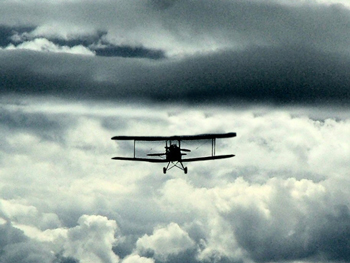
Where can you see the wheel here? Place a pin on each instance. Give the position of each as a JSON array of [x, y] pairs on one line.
[[164, 170], [185, 170]]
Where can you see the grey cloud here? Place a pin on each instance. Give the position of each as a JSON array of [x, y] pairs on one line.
[[289, 75], [48, 127], [162, 4], [62, 259], [35, 122], [173, 26], [11, 235], [16, 247], [331, 236], [127, 51], [20, 37], [292, 230], [243, 52], [7, 33]]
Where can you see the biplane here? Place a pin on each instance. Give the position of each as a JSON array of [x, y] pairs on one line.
[[173, 154]]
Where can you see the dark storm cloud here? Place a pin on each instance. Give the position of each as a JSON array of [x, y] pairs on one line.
[[126, 51], [231, 51], [291, 74], [8, 32]]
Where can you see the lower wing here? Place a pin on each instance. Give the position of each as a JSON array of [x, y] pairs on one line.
[[207, 158], [166, 161], [141, 159]]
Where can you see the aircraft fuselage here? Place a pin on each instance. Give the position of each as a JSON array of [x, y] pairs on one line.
[[173, 153]]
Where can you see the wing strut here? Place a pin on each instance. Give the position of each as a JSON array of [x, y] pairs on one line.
[[213, 144]]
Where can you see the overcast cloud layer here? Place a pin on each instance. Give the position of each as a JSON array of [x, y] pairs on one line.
[[74, 73], [165, 50]]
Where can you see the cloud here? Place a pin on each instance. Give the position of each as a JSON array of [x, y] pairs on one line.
[[16, 247], [260, 75], [46, 39], [268, 231], [165, 241], [41, 44], [137, 259], [28, 215], [92, 240], [275, 72], [245, 52], [68, 199], [179, 27]]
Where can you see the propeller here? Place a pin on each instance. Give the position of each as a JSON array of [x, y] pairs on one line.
[[185, 150]]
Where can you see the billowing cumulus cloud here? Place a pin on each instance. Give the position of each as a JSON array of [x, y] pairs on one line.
[[92, 240], [166, 241], [283, 197]]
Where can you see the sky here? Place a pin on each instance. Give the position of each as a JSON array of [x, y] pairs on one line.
[[74, 73]]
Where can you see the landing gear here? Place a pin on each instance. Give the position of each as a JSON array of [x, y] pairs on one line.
[[175, 164]]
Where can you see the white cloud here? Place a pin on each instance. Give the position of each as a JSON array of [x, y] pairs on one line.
[[42, 44], [60, 31], [165, 241], [92, 240], [283, 182], [137, 259], [13, 210]]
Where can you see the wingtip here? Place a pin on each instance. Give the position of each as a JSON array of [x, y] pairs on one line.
[[233, 134]]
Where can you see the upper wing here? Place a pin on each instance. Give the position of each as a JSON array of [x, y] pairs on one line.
[[141, 138], [204, 136], [176, 137], [141, 159], [207, 158]]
